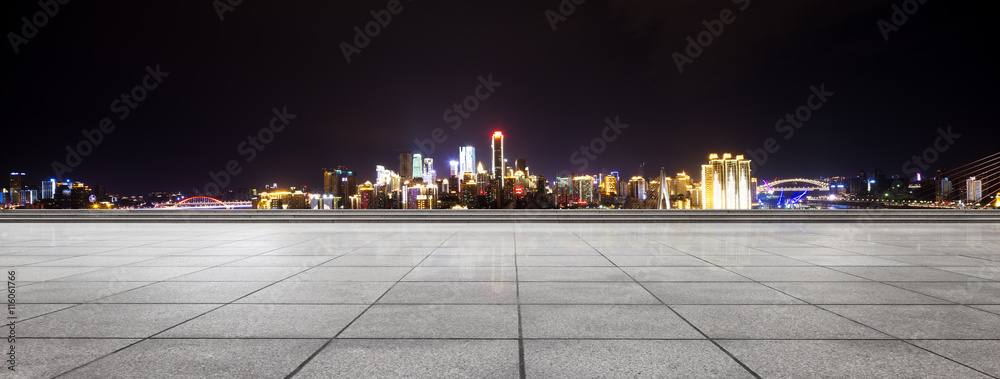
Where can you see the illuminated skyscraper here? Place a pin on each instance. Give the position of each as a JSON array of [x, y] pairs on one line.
[[483, 183], [563, 192], [339, 183], [610, 185], [726, 183], [973, 189], [682, 183], [430, 175], [49, 189], [499, 165], [637, 188], [366, 194], [942, 190], [381, 175], [466, 159], [406, 166], [421, 196], [583, 189], [470, 194], [418, 166], [453, 168], [16, 187], [521, 165]]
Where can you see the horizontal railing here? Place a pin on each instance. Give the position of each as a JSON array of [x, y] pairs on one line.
[[512, 215]]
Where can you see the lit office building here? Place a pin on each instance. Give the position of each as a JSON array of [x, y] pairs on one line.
[[583, 189], [483, 181], [16, 188], [610, 185], [366, 196], [682, 184], [421, 197], [563, 190], [418, 166], [942, 190], [499, 164], [429, 173], [696, 197], [637, 188], [453, 168], [520, 165], [973, 189], [383, 177], [282, 200], [466, 159], [726, 183], [522, 180], [406, 166], [339, 183], [470, 194], [49, 189]]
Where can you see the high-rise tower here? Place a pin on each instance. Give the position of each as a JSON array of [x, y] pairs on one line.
[[499, 166], [430, 175], [406, 166], [418, 166], [16, 188], [466, 159], [726, 183]]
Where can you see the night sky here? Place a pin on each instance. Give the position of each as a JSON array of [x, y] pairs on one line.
[[607, 59]]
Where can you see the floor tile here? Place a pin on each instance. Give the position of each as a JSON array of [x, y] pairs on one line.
[[718, 293], [268, 321], [773, 322], [349, 358], [451, 293], [584, 293], [203, 358], [435, 321], [630, 358], [847, 359], [924, 321], [604, 321]]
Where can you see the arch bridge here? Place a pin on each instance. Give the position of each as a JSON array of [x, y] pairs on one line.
[[205, 202], [799, 184]]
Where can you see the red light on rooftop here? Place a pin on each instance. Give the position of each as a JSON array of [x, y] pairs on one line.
[[497, 134]]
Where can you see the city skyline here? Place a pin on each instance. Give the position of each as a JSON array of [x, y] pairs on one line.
[[726, 183], [415, 159]]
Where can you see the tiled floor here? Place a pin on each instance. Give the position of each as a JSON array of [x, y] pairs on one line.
[[504, 300]]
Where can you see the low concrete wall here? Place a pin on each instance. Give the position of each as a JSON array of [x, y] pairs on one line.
[[504, 216]]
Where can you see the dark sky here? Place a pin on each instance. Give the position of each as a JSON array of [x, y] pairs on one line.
[[607, 59]]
